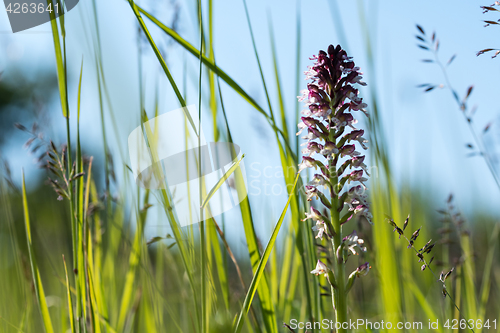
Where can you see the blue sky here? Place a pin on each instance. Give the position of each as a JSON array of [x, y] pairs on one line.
[[426, 132]]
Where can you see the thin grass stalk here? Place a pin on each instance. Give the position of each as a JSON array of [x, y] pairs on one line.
[[203, 248], [468, 120], [211, 75], [297, 72]]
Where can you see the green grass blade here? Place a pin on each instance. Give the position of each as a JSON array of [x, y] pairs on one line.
[[211, 76], [262, 264], [486, 283], [91, 287], [424, 303], [219, 262], [80, 90], [37, 281], [221, 181], [137, 13], [204, 242], [61, 73], [278, 84], [389, 286], [165, 198], [469, 276], [248, 226], [207, 62], [70, 302], [298, 72], [129, 290]]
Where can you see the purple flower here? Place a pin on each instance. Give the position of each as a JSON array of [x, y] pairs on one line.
[[311, 192], [357, 162], [344, 119], [329, 149], [312, 148], [307, 162], [354, 244], [331, 99], [310, 122], [356, 175], [320, 227], [321, 268], [348, 150], [318, 180], [363, 269], [315, 215]]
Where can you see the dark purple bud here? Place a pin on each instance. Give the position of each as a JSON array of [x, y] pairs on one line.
[[356, 175], [344, 117], [354, 135], [357, 161], [363, 269], [347, 150], [309, 122]]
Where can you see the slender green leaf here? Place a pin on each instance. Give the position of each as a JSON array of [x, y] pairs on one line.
[[70, 302], [61, 73], [221, 181], [37, 281], [262, 264]]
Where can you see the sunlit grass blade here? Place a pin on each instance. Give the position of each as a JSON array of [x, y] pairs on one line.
[[259, 272], [37, 281], [248, 225], [93, 304], [210, 64], [128, 290], [206, 61], [288, 164], [18, 329], [221, 181], [219, 262], [278, 84], [163, 64], [486, 283], [165, 198], [297, 72], [390, 291], [61, 73], [211, 76], [420, 297], [469, 276], [70, 302]]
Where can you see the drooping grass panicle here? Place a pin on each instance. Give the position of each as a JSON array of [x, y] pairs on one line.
[[423, 255], [431, 44], [494, 8]]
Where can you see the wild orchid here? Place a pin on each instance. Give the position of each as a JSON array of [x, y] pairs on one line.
[[329, 123]]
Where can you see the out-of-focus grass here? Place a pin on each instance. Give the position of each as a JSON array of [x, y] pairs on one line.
[[117, 282]]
